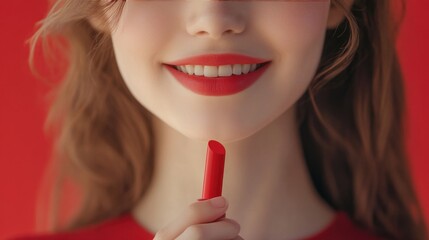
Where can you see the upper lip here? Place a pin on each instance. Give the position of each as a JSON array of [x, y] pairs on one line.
[[218, 60]]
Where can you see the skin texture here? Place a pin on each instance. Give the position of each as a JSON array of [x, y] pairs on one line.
[[266, 184]]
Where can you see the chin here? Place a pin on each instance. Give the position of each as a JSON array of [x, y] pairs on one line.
[[226, 135]]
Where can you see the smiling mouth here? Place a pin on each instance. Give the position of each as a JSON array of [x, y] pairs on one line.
[[211, 84], [219, 71]]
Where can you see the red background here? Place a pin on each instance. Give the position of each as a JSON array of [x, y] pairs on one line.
[[24, 149]]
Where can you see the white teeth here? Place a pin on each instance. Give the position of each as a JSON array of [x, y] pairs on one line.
[[218, 71], [189, 69], [245, 68], [183, 69], [199, 70], [236, 69], [225, 71], [210, 71]]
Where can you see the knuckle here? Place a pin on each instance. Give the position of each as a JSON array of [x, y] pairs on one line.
[[194, 211], [193, 206], [160, 235], [234, 225], [195, 232], [236, 228]]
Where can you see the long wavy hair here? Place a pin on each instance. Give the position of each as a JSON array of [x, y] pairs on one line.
[[351, 122]]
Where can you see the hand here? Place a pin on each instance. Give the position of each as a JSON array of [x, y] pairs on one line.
[[201, 220]]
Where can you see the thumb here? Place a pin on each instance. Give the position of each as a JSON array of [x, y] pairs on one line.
[[196, 213]]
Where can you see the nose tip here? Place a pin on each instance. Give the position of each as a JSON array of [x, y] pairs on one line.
[[214, 34], [215, 20]]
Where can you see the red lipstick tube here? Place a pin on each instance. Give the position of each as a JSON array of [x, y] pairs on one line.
[[213, 177]]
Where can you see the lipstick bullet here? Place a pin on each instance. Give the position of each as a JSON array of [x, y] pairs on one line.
[[213, 177]]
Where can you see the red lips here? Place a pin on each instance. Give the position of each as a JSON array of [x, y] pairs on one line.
[[217, 86], [218, 59]]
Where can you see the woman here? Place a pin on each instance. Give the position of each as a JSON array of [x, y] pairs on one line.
[[306, 96]]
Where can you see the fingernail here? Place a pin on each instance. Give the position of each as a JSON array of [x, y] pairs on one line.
[[218, 202]]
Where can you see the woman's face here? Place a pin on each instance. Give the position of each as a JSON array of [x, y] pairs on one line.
[[288, 34]]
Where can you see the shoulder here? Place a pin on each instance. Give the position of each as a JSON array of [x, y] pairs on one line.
[[122, 227], [342, 227]]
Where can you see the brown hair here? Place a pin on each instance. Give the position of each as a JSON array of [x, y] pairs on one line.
[[351, 122]]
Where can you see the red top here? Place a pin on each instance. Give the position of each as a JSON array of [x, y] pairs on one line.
[[125, 227]]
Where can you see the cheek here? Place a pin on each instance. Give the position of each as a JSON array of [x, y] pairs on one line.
[[295, 25], [142, 32], [296, 30], [144, 27], [296, 33]]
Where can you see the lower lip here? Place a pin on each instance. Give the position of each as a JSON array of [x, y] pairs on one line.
[[217, 86]]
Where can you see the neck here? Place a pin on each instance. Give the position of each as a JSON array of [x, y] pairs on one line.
[[266, 182]]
